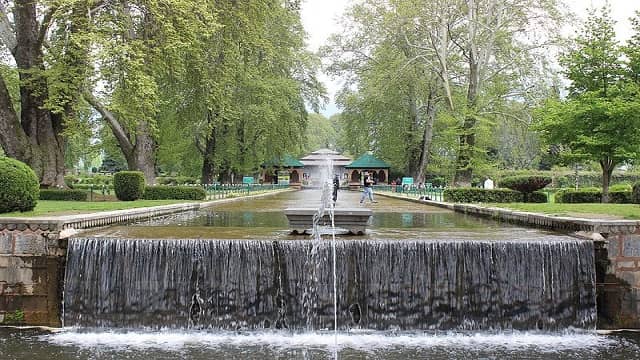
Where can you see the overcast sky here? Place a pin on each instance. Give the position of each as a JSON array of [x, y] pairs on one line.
[[319, 18]]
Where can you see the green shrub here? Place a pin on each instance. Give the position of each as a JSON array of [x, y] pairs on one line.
[[537, 197], [176, 180], [635, 196], [128, 185], [592, 196], [525, 183], [474, 195], [620, 187], [19, 186], [69, 180], [63, 195], [570, 196], [163, 192], [620, 197]]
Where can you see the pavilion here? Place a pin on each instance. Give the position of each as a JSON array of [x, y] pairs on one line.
[[316, 162], [378, 169]]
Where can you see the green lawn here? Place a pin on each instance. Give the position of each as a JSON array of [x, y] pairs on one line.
[[604, 211], [50, 207]]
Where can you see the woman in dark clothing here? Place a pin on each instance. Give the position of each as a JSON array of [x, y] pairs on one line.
[[336, 186]]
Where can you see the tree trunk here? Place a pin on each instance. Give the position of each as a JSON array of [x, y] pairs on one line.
[[141, 153], [607, 166], [36, 138], [467, 138], [208, 163], [144, 153], [427, 136], [413, 150], [464, 170]]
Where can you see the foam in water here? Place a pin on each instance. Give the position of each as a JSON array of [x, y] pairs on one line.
[[514, 341]]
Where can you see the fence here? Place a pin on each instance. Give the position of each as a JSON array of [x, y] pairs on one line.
[[429, 192], [223, 191]]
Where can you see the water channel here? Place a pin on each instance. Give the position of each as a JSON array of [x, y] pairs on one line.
[[422, 283]]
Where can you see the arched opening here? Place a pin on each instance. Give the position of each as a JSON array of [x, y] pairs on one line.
[[382, 177], [294, 177], [355, 176]]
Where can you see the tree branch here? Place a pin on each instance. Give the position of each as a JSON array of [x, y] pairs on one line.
[[7, 32], [44, 26], [118, 131], [13, 139]]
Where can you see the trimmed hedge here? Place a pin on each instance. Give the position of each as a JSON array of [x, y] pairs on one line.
[[128, 185], [525, 183], [592, 196], [19, 186], [537, 197], [635, 195], [63, 195], [163, 192], [176, 180], [473, 195]]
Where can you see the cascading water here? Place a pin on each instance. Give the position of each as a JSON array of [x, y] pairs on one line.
[[327, 203], [381, 284]]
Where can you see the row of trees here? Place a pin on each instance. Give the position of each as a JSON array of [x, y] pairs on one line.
[[170, 79], [468, 85]]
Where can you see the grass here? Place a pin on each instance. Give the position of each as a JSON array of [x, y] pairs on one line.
[[604, 211], [50, 207]]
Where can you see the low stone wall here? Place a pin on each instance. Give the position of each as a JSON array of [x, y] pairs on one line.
[[32, 261], [617, 253]]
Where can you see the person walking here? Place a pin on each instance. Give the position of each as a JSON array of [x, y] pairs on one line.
[[367, 190], [336, 186]]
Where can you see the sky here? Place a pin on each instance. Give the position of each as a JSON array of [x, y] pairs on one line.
[[320, 21]]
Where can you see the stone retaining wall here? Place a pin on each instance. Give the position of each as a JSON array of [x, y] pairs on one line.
[[31, 271]]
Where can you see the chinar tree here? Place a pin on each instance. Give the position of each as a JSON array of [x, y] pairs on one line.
[[441, 72], [244, 96], [139, 48], [600, 117], [45, 43], [390, 100], [65, 54]]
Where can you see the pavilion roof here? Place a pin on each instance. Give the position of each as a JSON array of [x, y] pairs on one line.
[[368, 161]]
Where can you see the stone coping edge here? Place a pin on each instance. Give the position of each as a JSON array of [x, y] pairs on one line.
[[86, 221], [557, 223]]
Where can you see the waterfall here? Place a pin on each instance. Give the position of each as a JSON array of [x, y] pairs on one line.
[[382, 285]]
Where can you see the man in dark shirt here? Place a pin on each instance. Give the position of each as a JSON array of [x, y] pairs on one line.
[[367, 191]]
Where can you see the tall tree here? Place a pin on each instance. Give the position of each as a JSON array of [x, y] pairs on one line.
[[248, 105], [600, 118], [463, 59], [393, 106], [47, 43], [494, 44], [141, 46]]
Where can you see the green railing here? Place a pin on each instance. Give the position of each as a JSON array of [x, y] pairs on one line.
[[223, 191], [413, 191], [214, 191]]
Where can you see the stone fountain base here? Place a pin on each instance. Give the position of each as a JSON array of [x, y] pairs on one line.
[[354, 220]]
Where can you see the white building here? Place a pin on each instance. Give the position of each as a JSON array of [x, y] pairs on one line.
[[316, 162]]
